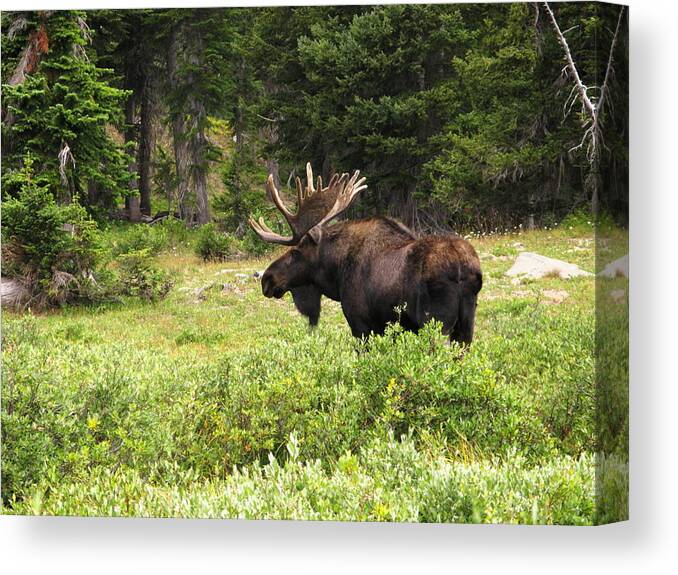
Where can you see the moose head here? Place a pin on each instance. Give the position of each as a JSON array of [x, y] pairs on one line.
[[316, 207]]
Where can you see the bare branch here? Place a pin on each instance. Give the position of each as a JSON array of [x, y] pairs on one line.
[[609, 70], [266, 119], [18, 25], [65, 156], [581, 88]]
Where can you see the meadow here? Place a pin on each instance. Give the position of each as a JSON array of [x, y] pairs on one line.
[[217, 402]]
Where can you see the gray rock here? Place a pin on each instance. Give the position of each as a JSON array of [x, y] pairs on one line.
[[617, 268], [531, 265]]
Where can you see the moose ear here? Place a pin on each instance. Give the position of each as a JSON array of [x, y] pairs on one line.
[[315, 234]]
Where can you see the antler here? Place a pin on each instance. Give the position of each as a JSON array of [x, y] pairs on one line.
[[348, 191], [315, 206]]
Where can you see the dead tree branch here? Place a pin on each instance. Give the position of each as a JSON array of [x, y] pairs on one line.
[[609, 69], [581, 88], [592, 108]]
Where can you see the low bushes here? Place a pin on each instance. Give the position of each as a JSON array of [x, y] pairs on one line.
[[139, 277], [213, 245], [386, 481], [87, 407], [167, 234], [53, 250], [57, 255]]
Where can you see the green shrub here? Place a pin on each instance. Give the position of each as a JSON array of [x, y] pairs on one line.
[[385, 481], [583, 222], [139, 277], [53, 250], [137, 237], [213, 245], [175, 231], [547, 360], [242, 408], [253, 245], [191, 335], [612, 488]]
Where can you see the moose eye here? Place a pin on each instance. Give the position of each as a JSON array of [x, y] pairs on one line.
[[296, 255]]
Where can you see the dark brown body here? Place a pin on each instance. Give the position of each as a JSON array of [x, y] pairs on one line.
[[381, 273]]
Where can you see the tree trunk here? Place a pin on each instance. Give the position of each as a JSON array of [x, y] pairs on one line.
[[132, 199], [269, 131], [179, 129], [198, 143], [188, 127], [93, 191], [146, 141]]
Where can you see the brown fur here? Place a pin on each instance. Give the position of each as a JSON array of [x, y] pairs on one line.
[[381, 273]]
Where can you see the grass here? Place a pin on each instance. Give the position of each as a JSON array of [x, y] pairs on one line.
[[221, 403]]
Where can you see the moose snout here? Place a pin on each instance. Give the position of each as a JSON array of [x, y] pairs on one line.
[[270, 287]]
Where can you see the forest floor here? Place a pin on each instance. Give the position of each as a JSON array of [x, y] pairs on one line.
[[218, 402]]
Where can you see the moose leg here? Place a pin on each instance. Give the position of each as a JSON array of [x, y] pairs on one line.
[[307, 301], [359, 328], [442, 304], [463, 329], [356, 321]]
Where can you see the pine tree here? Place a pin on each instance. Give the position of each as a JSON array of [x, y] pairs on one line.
[[196, 49], [62, 111]]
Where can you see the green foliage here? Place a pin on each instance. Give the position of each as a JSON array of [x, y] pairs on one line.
[[240, 411], [166, 235], [237, 412], [61, 114], [55, 250], [221, 403], [243, 180], [213, 245], [152, 239], [139, 277], [460, 125], [386, 481], [557, 377], [468, 127]]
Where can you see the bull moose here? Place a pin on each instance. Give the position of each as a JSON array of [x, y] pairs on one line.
[[376, 267]]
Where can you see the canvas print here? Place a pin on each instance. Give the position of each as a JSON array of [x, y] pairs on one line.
[[355, 263]]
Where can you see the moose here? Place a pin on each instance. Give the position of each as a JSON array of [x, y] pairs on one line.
[[376, 268]]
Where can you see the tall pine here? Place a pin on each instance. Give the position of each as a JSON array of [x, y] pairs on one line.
[[62, 111]]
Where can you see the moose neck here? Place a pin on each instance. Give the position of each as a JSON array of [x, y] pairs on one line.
[[333, 260]]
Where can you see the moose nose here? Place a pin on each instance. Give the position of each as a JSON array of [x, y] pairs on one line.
[[267, 284], [271, 287]]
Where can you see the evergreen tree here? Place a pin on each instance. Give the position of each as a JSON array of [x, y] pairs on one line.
[[459, 115], [196, 50], [61, 113]]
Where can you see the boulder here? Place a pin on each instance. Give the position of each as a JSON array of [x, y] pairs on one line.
[[555, 295], [618, 295], [531, 265], [617, 268]]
